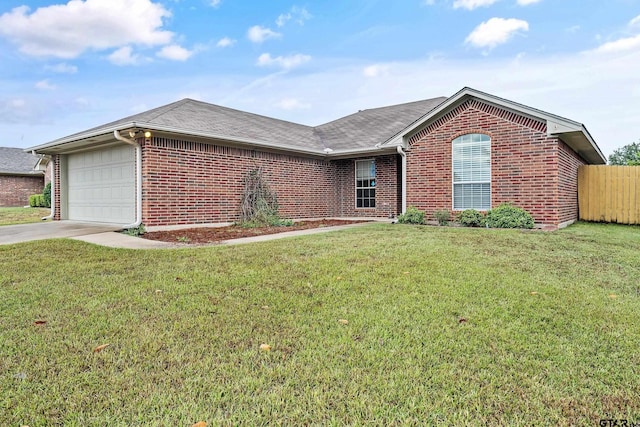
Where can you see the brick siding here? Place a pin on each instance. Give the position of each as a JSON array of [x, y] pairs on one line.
[[387, 188], [568, 162], [187, 182], [528, 168], [15, 190]]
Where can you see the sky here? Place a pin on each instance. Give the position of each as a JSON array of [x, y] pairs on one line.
[[68, 66]]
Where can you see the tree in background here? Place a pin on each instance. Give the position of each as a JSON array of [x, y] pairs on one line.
[[629, 155]]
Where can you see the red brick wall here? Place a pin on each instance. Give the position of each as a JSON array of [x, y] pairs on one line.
[[386, 188], [15, 190], [55, 194], [190, 182], [568, 162], [524, 163]]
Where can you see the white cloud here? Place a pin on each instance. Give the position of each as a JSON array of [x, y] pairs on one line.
[[573, 29], [472, 4], [62, 68], [286, 62], [124, 56], [258, 34], [215, 3], [376, 70], [45, 85], [528, 2], [635, 22], [225, 42], [175, 52], [297, 14], [292, 104], [68, 30], [495, 31], [621, 45]]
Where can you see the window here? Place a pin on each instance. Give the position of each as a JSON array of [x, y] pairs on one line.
[[471, 172], [365, 184]]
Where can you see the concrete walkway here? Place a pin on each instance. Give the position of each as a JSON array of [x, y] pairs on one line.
[[52, 230], [105, 235]]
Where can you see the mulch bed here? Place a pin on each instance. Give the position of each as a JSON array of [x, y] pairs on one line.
[[219, 234]]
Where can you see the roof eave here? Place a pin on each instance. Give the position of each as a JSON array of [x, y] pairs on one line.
[[50, 147], [360, 152], [15, 173]]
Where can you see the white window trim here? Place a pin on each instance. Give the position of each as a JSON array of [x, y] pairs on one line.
[[355, 182], [490, 182]]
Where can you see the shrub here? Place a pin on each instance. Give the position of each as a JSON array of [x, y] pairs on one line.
[[136, 232], [37, 201], [471, 218], [47, 195], [442, 216], [509, 216], [413, 215], [259, 206]]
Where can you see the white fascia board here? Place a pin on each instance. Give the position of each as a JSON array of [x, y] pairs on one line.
[[79, 137], [361, 152], [169, 129]]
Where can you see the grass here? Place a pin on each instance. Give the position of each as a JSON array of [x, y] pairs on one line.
[[12, 216], [446, 326]]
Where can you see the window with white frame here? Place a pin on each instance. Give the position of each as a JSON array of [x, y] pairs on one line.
[[365, 184], [471, 155]]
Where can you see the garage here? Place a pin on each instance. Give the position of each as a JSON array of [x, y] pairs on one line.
[[102, 185]]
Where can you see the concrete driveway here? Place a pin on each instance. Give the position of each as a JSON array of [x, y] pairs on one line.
[[51, 230]]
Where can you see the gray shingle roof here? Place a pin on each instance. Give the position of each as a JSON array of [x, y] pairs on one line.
[[363, 129], [367, 128], [195, 116], [16, 161]]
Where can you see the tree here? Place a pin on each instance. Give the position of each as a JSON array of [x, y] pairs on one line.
[[629, 155]]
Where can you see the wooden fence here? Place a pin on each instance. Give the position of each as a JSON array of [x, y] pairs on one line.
[[609, 194]]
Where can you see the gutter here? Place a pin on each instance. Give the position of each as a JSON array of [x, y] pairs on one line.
[[403, 155], [138, 221]]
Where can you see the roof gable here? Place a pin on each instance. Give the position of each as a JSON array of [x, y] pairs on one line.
[[572, 133]]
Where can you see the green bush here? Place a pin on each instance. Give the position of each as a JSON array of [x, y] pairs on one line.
[[47, 195], [509, 216], [37, 201], [136, 232], [471, 218], [442, 216], [413, 215]]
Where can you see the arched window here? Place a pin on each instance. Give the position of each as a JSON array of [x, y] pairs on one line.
[[471, 156]]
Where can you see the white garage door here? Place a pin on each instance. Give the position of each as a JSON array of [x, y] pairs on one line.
[[102, 185]]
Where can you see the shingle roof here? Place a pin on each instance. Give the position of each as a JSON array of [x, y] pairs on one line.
[[363, 129], [16, 161], [367, 128], [196, 116]]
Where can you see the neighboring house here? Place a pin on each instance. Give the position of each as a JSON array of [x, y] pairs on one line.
[[185, 162], [20, 177]]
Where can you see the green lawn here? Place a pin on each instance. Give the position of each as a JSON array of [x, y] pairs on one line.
[[446, 326], [11, 216]]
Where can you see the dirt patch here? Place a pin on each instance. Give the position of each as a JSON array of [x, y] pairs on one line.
[[203, 235]]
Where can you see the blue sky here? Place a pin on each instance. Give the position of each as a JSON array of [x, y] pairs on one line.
[[69, 66]]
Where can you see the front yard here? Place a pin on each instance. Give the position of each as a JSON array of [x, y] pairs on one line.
[[381, 324], [11, 216]]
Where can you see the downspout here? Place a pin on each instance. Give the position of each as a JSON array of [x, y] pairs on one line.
[[403, 155], [53, 190], [119, 137]]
